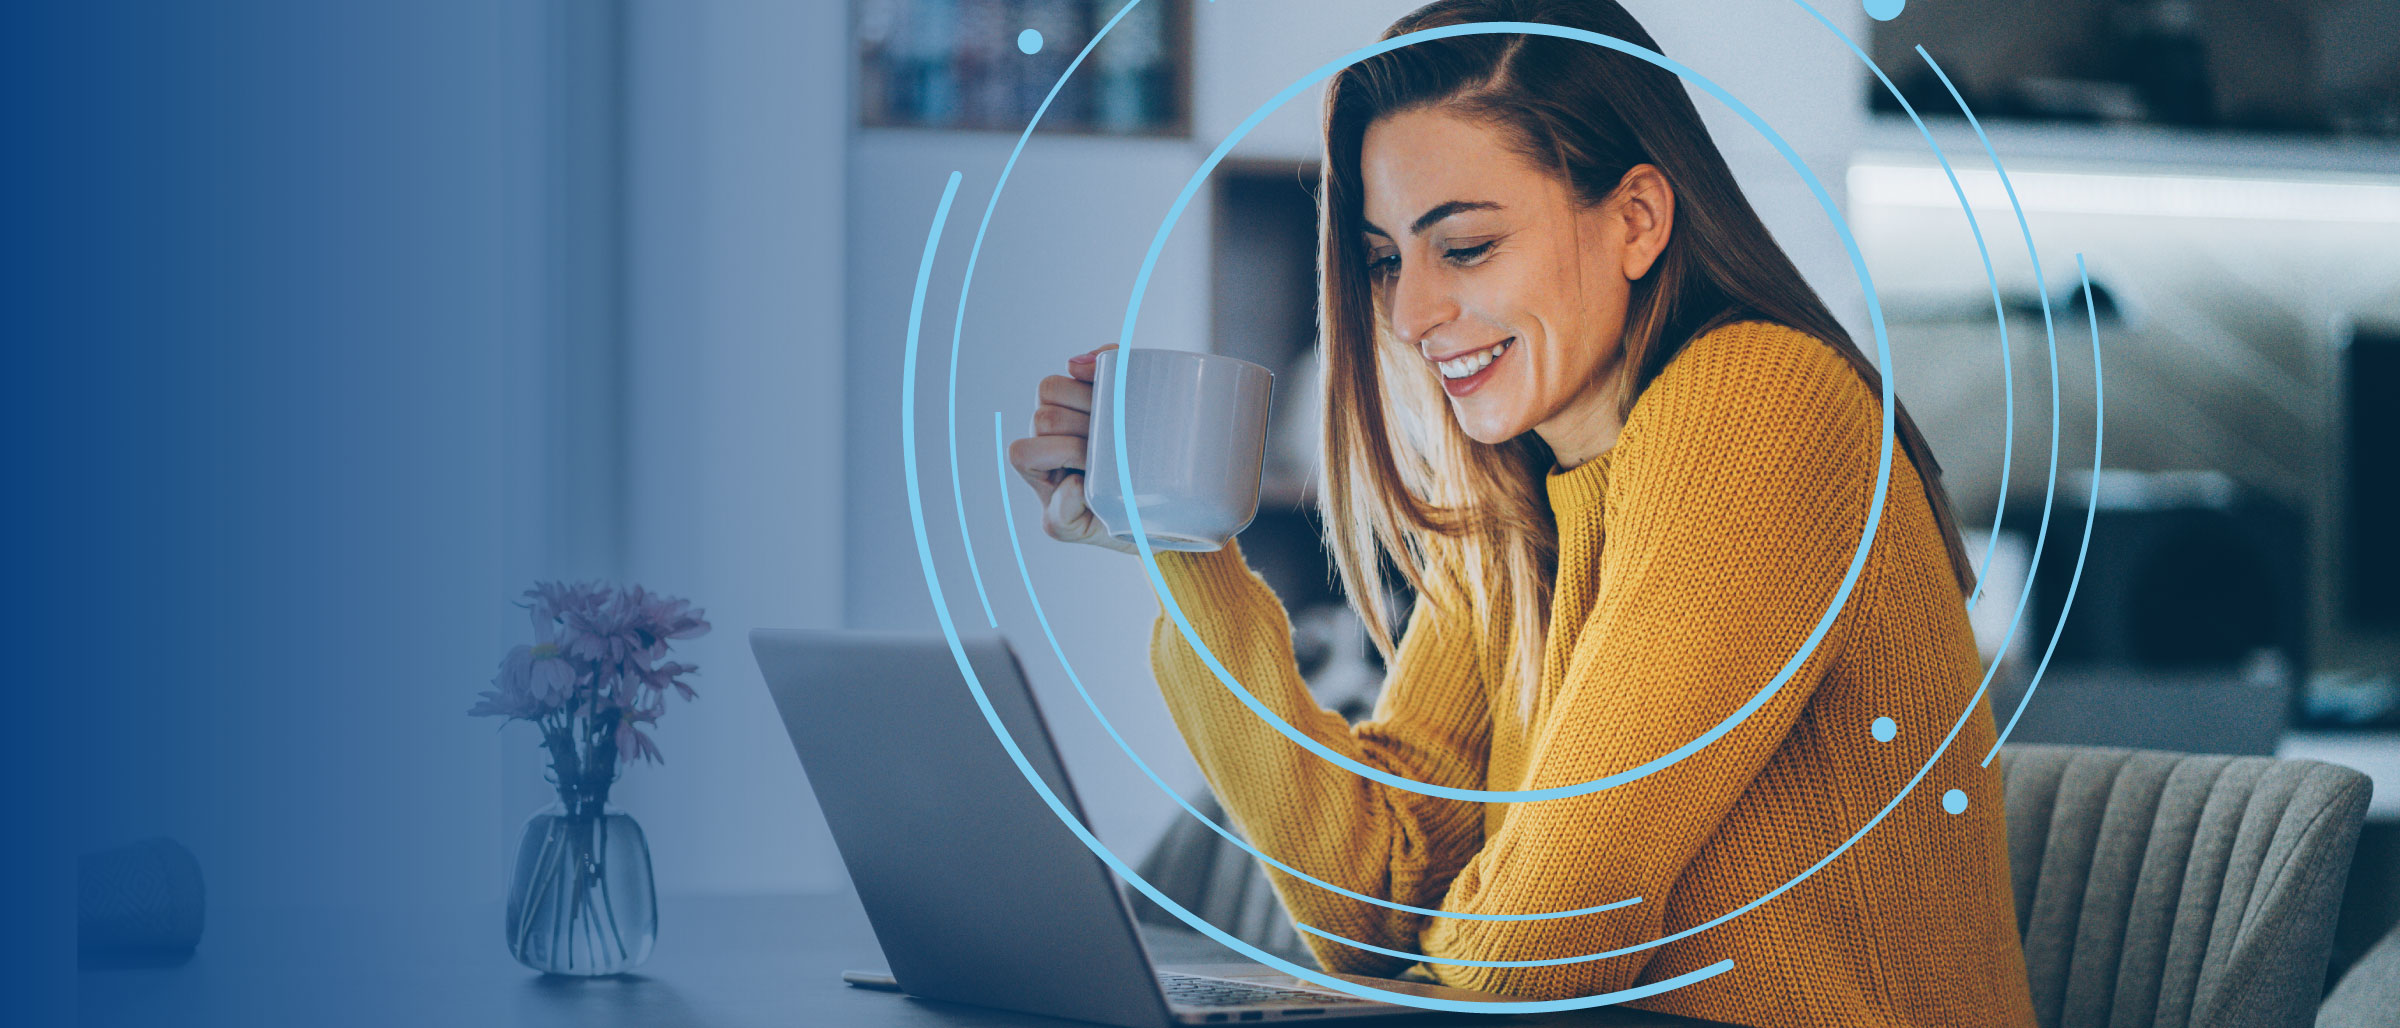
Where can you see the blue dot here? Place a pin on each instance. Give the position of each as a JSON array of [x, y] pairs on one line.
[[1884, 10], [1954, 801], [1884, 729], [1030, 40]]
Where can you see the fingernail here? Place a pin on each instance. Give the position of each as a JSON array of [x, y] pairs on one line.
[[1085, 358]]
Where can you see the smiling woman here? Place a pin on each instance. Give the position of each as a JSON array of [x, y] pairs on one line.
[[1580, 400]]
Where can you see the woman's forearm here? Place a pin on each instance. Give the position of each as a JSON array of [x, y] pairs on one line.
[[1301, 808]]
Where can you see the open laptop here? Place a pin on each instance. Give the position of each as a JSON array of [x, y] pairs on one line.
[[976, 891]]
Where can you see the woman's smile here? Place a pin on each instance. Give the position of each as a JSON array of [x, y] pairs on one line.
[[1463, 373]]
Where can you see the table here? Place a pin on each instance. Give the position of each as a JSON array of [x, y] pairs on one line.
[[730, 962]]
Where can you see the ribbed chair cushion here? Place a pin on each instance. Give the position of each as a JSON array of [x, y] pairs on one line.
[[2174, 889]]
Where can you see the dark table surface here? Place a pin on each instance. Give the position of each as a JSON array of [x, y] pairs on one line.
[[734, 962]]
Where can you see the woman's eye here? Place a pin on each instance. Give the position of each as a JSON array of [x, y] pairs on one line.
[[1465, 254], [1385, 264]]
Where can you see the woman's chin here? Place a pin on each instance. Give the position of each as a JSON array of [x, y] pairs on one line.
[[1484, 426]]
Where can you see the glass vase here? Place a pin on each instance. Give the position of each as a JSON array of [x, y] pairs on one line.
[[581, 901]]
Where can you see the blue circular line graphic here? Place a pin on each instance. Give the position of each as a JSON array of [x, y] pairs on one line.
[[1883, 470], [933, 585], [1076, 679]]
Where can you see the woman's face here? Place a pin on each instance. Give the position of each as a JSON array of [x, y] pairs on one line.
[[1512, 292]]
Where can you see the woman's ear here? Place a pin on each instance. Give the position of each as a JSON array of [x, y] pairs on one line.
[[1646, 203]]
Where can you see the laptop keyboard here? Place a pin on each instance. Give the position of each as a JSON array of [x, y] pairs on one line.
[[1192, 991]]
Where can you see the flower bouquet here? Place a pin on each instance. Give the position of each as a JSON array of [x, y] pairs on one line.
[[582, 901]]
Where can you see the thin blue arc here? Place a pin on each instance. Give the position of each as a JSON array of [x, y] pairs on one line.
[[2042, 286], [1454, 961], [983, 703], [933, 585], [2090, 507], [1042, 617], [2041, 291], [2008, 376], [1824, 623], [966, 284], [1059, 652]]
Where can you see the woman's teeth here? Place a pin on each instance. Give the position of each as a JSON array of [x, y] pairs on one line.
[[1461, 367]]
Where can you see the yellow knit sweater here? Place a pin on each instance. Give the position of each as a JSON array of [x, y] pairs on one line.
[[1730, 508]]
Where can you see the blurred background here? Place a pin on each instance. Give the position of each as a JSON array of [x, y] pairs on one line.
[[413, 304]]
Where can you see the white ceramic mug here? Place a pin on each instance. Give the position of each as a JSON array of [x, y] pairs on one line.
[[1196, 439]]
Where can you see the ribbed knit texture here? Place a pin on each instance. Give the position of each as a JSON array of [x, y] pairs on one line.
[[1695, 557]]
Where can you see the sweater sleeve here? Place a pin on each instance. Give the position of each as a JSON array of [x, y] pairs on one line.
[[1429, 725], [1735, 500]]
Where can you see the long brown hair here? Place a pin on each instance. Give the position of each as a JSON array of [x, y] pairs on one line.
[[1402, 482]]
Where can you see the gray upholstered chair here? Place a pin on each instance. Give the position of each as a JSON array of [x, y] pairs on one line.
[[2153, 888], [2175, 889]]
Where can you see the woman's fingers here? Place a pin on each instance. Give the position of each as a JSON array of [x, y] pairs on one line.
[[1036, 457], [1053, 419], [1064, 515], [1052, 459], [1085, 365], [1061, 391]]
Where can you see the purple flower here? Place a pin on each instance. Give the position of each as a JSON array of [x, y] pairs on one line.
[[632, 744], [598, 667]]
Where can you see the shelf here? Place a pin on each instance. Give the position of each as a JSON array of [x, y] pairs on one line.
[[2134, 147]]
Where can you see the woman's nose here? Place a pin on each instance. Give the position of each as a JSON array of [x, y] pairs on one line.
[[1421, 302]]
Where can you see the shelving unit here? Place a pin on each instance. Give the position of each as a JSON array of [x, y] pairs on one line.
[[965, 64]]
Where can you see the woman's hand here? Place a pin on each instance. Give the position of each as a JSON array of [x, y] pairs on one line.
[[1052, 458]]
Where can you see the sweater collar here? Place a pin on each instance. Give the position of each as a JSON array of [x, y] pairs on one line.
[[1580, 492]]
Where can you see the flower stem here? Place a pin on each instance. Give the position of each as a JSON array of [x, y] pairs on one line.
[[606, 902]]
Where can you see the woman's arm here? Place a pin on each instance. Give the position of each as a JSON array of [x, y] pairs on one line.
[[1429, 725]]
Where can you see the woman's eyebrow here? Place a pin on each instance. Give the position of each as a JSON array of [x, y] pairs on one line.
[[1439, 211]]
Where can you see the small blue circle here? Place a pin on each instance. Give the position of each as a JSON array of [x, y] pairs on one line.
[[1884, 729], [1880, 10], [1030, 40], [1954, 801]]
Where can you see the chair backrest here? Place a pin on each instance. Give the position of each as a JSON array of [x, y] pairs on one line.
[[2177, 890]]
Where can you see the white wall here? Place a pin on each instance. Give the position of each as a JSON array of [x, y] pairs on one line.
[[736, 409]]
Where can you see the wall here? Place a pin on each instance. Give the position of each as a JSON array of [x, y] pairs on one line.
[[295, 424], [736, 413]]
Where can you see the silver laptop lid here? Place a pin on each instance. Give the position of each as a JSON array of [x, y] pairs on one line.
[[976, 891]]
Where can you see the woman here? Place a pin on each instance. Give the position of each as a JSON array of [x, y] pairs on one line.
[[1624, 455]]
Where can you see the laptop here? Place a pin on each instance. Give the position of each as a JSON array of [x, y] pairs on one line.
[[976, 891]]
